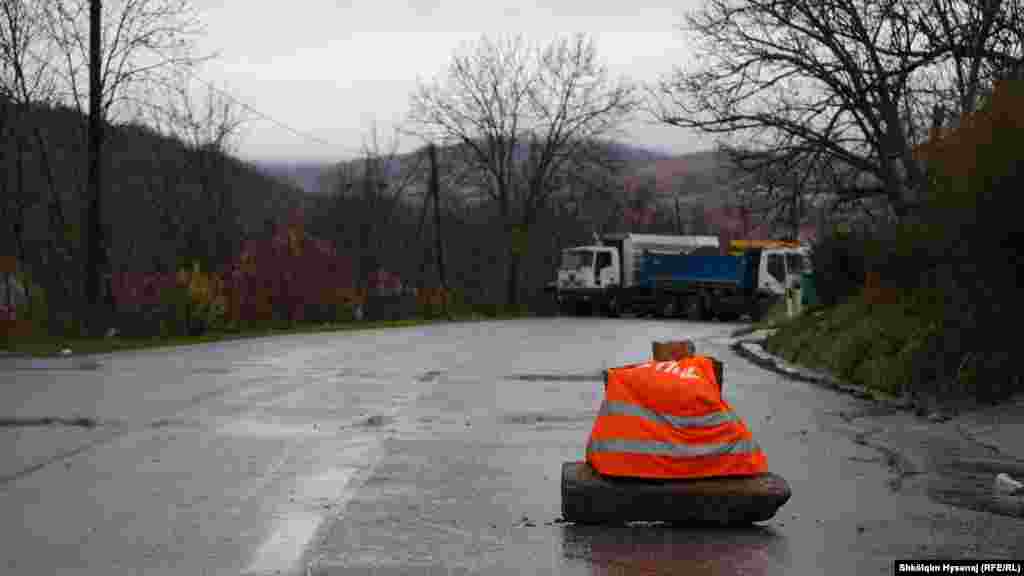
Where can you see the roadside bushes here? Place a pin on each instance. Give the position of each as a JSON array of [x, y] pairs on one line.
[[874, 346], [839, 266], [935, 318], [188, 302], [279, 280], [973, 240]]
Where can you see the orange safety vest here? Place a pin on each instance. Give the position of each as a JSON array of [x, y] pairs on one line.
[[669, 420]]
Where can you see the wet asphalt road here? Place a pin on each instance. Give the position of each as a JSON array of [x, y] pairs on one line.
[[427, 450]]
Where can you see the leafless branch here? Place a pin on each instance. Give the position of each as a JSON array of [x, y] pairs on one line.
[[842, 85]]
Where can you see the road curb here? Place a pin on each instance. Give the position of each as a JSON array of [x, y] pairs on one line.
[[1002, 504], [771, 363]]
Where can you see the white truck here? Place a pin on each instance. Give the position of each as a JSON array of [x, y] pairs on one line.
[[665, 275]]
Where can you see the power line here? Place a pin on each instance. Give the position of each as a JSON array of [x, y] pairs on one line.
[[302, 134], [248, 107]]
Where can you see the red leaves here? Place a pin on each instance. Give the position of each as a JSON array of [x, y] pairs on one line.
[[136, 289], [286, 272]]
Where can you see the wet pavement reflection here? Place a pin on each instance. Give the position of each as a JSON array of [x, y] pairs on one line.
[[665, 549]]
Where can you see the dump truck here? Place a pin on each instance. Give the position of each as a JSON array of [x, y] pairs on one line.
[[631, 274], [725, 287], [738, 247], [610, 273]]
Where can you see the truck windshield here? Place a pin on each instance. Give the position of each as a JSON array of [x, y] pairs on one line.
[[575, 259], [795, 263]]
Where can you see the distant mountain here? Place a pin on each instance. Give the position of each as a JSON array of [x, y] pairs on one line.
[[305, 174], [637, 154], [696, 178], [308, 174]]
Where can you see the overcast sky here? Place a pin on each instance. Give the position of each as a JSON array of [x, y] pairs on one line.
[[333, 68]]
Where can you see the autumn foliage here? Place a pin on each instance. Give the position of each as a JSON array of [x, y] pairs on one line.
[[287, 278], [950, 269]]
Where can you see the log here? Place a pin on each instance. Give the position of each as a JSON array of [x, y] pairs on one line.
[[679, 349], [672, 350], [8, 265], [590, 498]]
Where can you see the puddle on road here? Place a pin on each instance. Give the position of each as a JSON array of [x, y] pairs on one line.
[[271, 429], [79, 422], [429, 376], [377, 421], [57, 364], [533, 418], [211, 371], [596, 377]]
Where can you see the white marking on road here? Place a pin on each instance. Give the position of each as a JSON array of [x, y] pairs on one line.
[[330, 485], [282, 550], [298, 522], [296, 526]]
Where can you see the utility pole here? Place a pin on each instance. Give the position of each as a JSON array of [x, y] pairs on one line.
[[796, 209], [426, 247], [95, 255], [679, 224], [435, 190]]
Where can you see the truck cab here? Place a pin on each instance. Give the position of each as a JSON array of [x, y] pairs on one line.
[[588, 271], [781, 268]]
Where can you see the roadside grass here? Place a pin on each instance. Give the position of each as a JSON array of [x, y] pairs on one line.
[[872, 345], [773, 317], [44, 345]]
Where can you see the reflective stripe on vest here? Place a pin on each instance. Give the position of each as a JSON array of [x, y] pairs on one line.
[[672, 450], [624, 409], [669, 420]]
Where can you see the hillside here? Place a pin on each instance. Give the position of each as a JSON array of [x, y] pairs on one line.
[[697, 178], [305, 174], [162, 201], [697, 172]]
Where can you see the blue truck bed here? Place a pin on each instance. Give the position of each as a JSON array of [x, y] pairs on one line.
[[682, 269]]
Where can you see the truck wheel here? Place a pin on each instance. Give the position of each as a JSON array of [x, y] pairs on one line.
[[666, 306], [611, 307], [566, 308], [695, 308], [730, 316], [755, 311]]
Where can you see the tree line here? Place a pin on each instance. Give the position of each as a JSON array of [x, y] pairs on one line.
[[806, 98]]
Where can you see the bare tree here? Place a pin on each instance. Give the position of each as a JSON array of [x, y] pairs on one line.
[[28, 80], [372, 188], [130, 46], [24, 80], [210, 129], [145, 45], [841, 91], [525, 116]]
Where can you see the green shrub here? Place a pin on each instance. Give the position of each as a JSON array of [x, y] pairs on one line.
[[839, 266], [36, 308], [175, 313], [344, 312]]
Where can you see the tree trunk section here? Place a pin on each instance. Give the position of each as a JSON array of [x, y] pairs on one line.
[[512, 279], [590, 498]]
